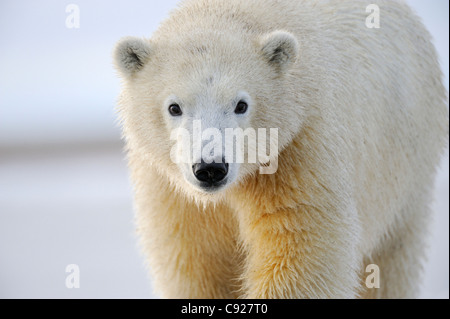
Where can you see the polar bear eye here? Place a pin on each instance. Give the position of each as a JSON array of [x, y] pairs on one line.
[[241, 107], [175, 110]]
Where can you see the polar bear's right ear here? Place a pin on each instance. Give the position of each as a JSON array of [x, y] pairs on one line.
[[280, 49], [131, 54]]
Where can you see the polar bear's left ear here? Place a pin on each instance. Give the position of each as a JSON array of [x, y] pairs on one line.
[[280, 49], [130, 55]]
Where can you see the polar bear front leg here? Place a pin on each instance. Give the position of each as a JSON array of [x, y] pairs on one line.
[[190, 249], [299, 253]]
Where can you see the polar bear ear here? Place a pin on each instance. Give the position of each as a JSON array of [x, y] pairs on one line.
[[280, 49], [131, 54]]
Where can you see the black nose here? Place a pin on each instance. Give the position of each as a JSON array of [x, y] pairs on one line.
[[210, 173]]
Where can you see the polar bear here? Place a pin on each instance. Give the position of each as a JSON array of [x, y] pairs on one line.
[[361, 118]]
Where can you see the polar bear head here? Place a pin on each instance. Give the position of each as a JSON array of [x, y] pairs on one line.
[[209, 108]]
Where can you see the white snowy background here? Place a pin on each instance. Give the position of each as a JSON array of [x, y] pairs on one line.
[[65, 196]]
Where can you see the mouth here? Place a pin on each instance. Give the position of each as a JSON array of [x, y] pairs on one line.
[[212, 187]]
